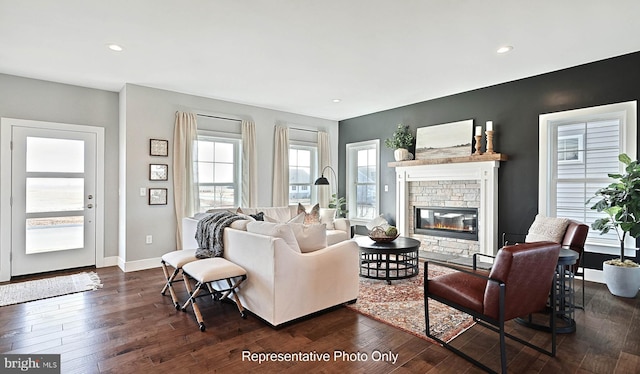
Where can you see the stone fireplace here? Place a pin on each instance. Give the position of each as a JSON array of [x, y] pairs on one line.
[[464, 190]]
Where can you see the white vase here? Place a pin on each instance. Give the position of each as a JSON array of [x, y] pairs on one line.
[[621, 281], [401, 154]]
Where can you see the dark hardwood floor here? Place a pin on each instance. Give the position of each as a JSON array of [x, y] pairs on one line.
[[129, 327]]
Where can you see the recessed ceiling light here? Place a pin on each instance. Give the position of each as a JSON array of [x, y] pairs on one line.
[[336, 100], [114, 47], [504, 49]]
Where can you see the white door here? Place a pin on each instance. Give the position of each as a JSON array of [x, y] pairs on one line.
[[53, 184]]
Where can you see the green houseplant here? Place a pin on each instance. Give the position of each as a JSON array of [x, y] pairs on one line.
[[340, 205], [401, 141], [620, 201]]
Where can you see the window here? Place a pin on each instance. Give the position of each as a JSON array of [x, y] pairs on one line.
[[302, 169], [218, 172], [362, 179], [578, 149]]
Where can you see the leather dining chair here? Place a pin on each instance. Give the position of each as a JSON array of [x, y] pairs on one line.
[[518, 284]]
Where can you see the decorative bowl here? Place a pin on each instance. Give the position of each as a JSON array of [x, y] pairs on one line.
[[378, 235], [383, 239]]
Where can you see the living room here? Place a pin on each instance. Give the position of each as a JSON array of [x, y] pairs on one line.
[[138, 111]]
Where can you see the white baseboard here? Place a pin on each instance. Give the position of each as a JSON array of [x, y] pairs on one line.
[[109, 261], [592, 275], [148, 263]]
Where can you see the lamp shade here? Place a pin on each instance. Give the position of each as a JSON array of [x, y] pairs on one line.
[[322, 181]]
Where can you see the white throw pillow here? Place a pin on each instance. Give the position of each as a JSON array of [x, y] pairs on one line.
[[547, 229], [297, 219], [277, 230], [327, 216], [310, 237], [240, 224]]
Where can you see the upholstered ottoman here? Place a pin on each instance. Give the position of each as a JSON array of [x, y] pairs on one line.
[[207, 271], [175, 259]]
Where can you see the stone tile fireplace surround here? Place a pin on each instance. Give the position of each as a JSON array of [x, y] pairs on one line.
[[454, 182]]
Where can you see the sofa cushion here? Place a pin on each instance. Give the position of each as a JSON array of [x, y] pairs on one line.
[[547, 229], [240, 224], [310, 237], [299, 218], [312, 216], [277, 230], [336, 236], [327, 216]]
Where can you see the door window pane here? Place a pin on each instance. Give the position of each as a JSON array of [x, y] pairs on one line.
[[55, 155], [54, 194], [54, 234]]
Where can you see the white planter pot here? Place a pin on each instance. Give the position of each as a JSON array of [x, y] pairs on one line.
[[401, 154], [621, 281]]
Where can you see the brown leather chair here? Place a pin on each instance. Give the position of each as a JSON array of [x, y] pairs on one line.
[[517, 285], [574, 238]]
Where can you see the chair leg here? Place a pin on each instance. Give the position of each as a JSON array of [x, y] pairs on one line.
[[192, 301], [170, 279], [503, 349]]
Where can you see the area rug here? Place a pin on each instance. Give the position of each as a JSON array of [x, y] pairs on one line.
[[401, 305], [21, 292]]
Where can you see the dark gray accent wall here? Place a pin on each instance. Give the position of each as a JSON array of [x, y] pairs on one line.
[[514, 108]]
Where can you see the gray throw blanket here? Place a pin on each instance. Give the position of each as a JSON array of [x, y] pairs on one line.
[[209, 233]]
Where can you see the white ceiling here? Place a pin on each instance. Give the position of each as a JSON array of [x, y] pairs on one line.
[[299, 55]]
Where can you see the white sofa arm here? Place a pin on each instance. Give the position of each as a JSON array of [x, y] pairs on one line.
[[342, 224]]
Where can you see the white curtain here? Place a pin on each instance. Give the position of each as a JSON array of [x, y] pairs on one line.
[[249, 165], [185, 173], [324, 159], [281, 167]]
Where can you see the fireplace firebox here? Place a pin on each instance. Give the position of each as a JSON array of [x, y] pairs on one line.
[[450, 222]]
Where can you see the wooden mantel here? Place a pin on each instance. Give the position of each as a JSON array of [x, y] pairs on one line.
[[450, 160]]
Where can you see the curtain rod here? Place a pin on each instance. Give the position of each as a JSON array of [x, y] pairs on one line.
[[217, 117], [299, 129]]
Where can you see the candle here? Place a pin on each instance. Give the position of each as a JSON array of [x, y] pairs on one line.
[[478, 130], [489, 125]]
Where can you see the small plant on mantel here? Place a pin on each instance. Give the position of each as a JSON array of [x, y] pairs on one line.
[[401, 140]]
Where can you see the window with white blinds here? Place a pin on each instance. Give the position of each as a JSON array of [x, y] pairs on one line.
[[578, 149]]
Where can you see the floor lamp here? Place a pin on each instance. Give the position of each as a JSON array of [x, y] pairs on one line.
[[323, 181]]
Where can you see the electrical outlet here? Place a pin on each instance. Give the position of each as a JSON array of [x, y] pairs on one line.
[[143, 191], [386, 188], [149, 239]]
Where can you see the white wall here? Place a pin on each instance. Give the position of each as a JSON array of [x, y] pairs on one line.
[[130, 118], [34, 99], [150, 113]]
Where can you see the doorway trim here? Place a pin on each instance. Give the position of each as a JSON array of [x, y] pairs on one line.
[[6, 126]]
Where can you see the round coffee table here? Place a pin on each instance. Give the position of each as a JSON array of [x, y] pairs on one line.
[[388, 261]]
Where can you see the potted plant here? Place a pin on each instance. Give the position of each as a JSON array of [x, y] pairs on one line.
[[620, 201], [339, 204], [401, 141]]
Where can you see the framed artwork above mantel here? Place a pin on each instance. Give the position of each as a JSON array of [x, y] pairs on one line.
[[446, 140]]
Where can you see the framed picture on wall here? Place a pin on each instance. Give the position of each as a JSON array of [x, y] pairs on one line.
[[159, 147], [444, 140], [158, 172], [157, 196]]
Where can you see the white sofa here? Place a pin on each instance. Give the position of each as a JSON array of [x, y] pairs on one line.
[[338, 229], [282, 284]]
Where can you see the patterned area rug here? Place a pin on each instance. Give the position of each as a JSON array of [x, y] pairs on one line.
[[15, 293], [401, 305]]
